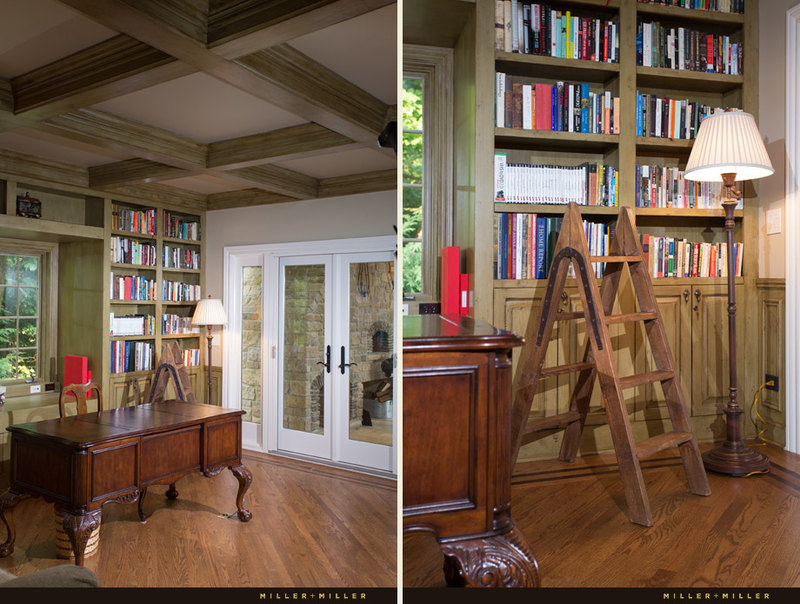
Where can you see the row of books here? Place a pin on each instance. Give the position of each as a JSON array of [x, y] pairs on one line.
[[664, 187], [721, 6], [134, 221], [180, 257], [524, 244], [191, 357], [686, 49], [670, 118], [589, 183], [536, 28], [179, 227], [560, 107], [177, 291], [176, 324], [131, 356], [132, 287], [672, 257], [133, 251], [132, 325]]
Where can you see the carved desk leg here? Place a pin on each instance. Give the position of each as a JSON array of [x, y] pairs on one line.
[[244, 477], [140, 505], [172, 492], [7, 501], [78, 529], [503, 560]]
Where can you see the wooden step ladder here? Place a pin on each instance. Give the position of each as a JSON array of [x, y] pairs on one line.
[[598, 361]]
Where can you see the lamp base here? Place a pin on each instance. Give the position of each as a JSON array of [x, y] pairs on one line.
[[736, 459]]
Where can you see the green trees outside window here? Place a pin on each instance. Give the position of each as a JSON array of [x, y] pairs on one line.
[[19, 316], [413, 174]]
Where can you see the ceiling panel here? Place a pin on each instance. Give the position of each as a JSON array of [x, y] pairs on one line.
[[54, 148], [341, 164], [202, 108], [362, 50], [37, 32]]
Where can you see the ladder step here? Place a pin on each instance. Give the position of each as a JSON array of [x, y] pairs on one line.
[[561, 369], [631, 317], [615, 259], [632, 381], [536, 424], [569, 316], [661, 442]]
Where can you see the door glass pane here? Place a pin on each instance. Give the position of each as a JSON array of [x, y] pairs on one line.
[[251, 343], [304, 348], [371, 347]]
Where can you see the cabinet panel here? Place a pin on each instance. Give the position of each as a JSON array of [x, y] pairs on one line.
[[674, 303], [711, 379]]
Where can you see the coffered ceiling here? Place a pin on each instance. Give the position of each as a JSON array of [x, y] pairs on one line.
[[221, 103]]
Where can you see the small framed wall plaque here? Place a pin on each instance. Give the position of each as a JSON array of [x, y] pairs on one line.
[[29, 207]]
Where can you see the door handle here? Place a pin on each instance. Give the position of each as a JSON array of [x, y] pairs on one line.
[[343, 364], [696, 297], [327, 363]]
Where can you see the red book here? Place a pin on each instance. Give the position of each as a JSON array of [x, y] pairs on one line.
[[544, 106], [463, 279], [75, 369], [451, 269]]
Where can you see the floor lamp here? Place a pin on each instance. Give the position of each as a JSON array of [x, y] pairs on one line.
[[729, 148], [209, 312]]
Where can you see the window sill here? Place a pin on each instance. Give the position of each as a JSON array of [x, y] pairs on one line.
[[30, 401]]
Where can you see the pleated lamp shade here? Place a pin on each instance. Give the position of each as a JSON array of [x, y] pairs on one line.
[[209, 312], [728, 142]]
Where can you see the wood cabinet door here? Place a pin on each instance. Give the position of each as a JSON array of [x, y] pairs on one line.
[[675, 305], [123, 392], [710, 346]]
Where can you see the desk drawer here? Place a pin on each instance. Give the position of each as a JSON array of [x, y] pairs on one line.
[[170, 453], [113, 469]]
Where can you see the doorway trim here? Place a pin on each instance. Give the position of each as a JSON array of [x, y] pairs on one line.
[[270, 254]]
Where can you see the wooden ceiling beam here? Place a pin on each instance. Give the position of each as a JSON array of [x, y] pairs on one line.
[[353, 184], [308, 90], [133, 172], [127, 136], [243, 199], [237, 28], [112, 68], [276, 180], [293, 142]]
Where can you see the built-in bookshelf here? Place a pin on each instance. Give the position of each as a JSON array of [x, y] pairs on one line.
[[155, 284], [655, 119]]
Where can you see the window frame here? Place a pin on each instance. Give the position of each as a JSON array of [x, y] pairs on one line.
[[434, 66], [48, 309]]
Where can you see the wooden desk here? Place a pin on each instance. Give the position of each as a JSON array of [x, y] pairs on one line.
[[82, 462], [457, 448]]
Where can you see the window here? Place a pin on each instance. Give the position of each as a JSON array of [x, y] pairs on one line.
[[20, 310], [427, 121], [413, 176]]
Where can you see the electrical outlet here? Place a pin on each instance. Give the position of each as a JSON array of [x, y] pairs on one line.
[[36, 388], [771, 378], [429, 308]]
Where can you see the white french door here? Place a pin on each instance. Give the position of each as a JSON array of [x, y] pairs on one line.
[[325, 353]]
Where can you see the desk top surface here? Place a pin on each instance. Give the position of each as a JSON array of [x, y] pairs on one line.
[[423, 333], [91, 428]]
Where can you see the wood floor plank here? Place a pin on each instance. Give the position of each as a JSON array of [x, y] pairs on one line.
[[312, 526]]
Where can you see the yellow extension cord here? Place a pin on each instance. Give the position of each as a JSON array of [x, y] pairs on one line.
[[759, 441]]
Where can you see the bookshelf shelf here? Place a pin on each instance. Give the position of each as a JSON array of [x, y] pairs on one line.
[[696, 16], [180, 336], [686, 80], [544, 67], [654, 144], [539, 208], [511, 138], [685, 213]]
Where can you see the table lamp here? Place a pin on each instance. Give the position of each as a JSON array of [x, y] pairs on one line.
[[209, 312], [729, 148]]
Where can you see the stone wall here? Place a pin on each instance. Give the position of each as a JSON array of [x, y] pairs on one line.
[[369, 311], [304, 345], [251, 343]]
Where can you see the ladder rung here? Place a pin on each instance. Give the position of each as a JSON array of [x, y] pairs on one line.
[[661, 442], [536, 424], [630, 317], [568, 316], [615, 258], [632, 381], [561, 369]]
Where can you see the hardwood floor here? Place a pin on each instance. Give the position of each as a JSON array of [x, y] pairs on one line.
[[745, 534], [311, 526]]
